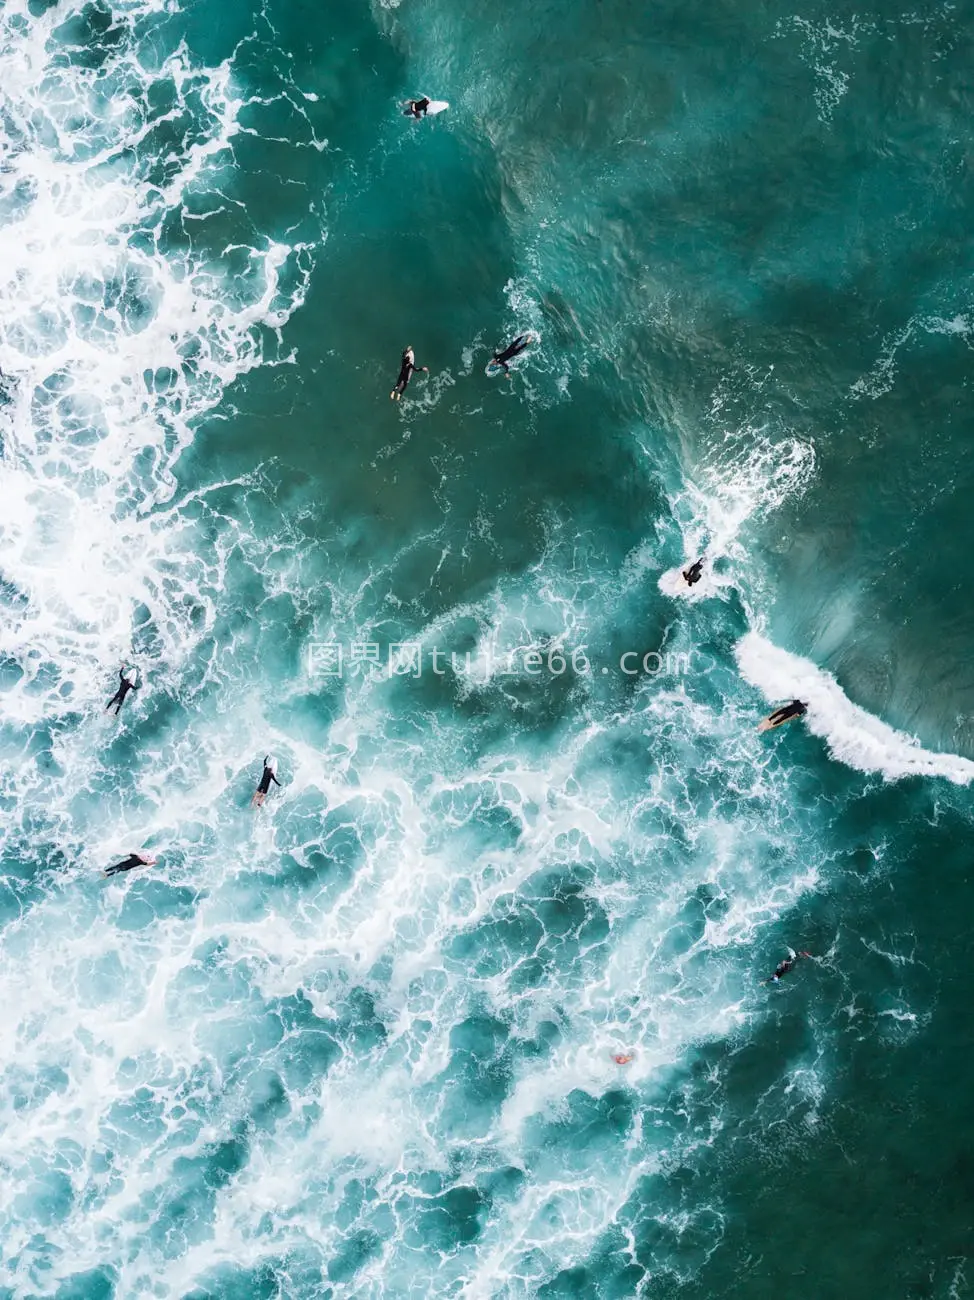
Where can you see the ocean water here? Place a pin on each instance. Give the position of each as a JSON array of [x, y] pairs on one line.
[[360, 1043]]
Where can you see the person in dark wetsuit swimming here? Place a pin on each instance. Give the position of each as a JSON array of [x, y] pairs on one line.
[[512, 350], [128, 681], [406, 370], [693, 574], [416, 107], [267, 776], [785, 714], [133, 860], [783, 967]]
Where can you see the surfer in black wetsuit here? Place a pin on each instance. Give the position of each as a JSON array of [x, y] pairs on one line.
[[406, 370], [694, 572], [133, 860], [128, 681], [416, 107], [785, 714], [783, 967], [267, 776], [512, 350]]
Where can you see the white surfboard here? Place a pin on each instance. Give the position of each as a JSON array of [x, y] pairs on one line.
[[436, 106]]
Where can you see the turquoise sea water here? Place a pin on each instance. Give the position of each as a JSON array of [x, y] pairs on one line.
[[360, 1043]]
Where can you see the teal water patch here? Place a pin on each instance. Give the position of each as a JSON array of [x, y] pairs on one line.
[[472, 1005]]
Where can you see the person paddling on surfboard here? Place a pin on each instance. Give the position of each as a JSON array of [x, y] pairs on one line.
[[512, 350], [406, 370], [267, 776], [693, 574], [783, 967], [128, 681], [785, 714], [416, 107], [133, 860]]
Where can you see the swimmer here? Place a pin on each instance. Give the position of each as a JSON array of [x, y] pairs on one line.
[[133, 860], [406, 373], [694, 572], [267, 776], [416, 107], [783, 967], [128, 681], [512, 350], [622, 1059], [785, 714]]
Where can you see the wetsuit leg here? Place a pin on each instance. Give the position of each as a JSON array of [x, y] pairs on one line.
[[405, 374], [132, 861]]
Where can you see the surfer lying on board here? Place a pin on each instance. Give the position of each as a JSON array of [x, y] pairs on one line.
[[785, 714], [416, 107], [783, 967], [133, 860], [406, 373], [694, 572], [267, 776], [512, 350], [128, 681]]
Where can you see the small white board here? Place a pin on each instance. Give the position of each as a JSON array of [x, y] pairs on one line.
[[436, 106]]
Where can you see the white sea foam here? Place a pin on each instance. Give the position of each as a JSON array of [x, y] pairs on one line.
[[822, 45], [373, 895], [882, 377], [114, 350], [853, 736], [745, 476]]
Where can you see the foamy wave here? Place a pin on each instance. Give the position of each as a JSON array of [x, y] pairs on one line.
[[113, 346], [882, 377], [672, 583], [853, 736], [748, 476]]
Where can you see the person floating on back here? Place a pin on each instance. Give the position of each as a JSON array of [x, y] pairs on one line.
[[128, 681], [783, 967], [512, 350], [267, 776], [416, 107], [785, 714], [693, 574], [133, 860], [406, 370]]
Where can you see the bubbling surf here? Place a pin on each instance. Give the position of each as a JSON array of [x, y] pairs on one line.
[[852, 735], [470, 1006]]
